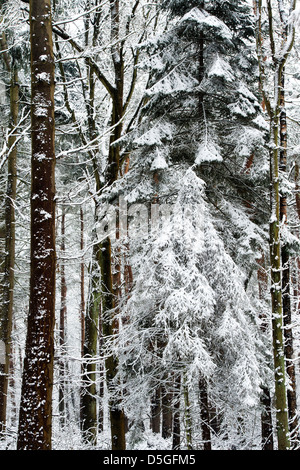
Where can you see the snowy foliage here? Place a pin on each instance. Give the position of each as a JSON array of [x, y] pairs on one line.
[[190, 311]]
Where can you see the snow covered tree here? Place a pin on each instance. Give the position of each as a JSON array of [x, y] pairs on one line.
[[110, 98], [204, 114], [188, 313], [7, 287], [163, 328]]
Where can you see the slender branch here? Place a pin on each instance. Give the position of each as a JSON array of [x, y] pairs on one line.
[[62, 34]]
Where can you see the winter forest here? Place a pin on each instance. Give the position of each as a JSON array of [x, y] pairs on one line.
[[149, 225]]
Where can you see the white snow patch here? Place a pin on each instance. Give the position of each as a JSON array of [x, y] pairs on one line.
[[43, 76], [208, 152], [159, 162], [205, 19], [2, 352], [221, 69], [39, 111]]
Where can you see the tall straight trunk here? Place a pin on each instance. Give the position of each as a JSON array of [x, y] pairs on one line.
[[35, 419], [82, 296], [116, 412], [266, 421], [276, 296], [167, 411], [156, 410], [7, 293], [62, 324], [110, 281], [204, 414], [176, 413], [82, 304], [187, 416], [273, 107], [286, 284], [89, 399], [267, 441], [101, 379]]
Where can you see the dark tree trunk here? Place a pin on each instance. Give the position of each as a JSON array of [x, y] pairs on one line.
[[167, 415], [286, 295], [156, 410], [266, 421], [35, 419], [267, 440], [204, 414], [176, 413]]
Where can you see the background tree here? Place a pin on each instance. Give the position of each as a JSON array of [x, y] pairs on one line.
[[273, 101], [8, 279]]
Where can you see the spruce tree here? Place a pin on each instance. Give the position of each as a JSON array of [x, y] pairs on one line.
[[200, 122]]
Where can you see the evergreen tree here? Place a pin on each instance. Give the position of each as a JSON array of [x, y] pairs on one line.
[[206, 127]]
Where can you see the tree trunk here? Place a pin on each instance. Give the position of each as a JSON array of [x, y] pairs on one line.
[[276, 296], [266, 421], [266, 414], [117, 417], [7, 291], [82, 296], [89, 399], [156, 410], [187, 416], [166, 408], [286, 285], [91, 321], [274, 109], [110, 282], [35, 419], [176, 413], [62, 325], [204, 414]]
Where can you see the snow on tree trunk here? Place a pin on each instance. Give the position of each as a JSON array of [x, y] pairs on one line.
[[35, 420]]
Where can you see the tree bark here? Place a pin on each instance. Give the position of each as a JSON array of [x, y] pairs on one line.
[[167, 411], [7, 290], [266, 421], [82, 296], [176, 413], [62, 325], [267, 441], [89, 399], [274, 108], [286, 281], [187, 416], [204, 414], [156, 410], [276, 296], [35, 419]]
